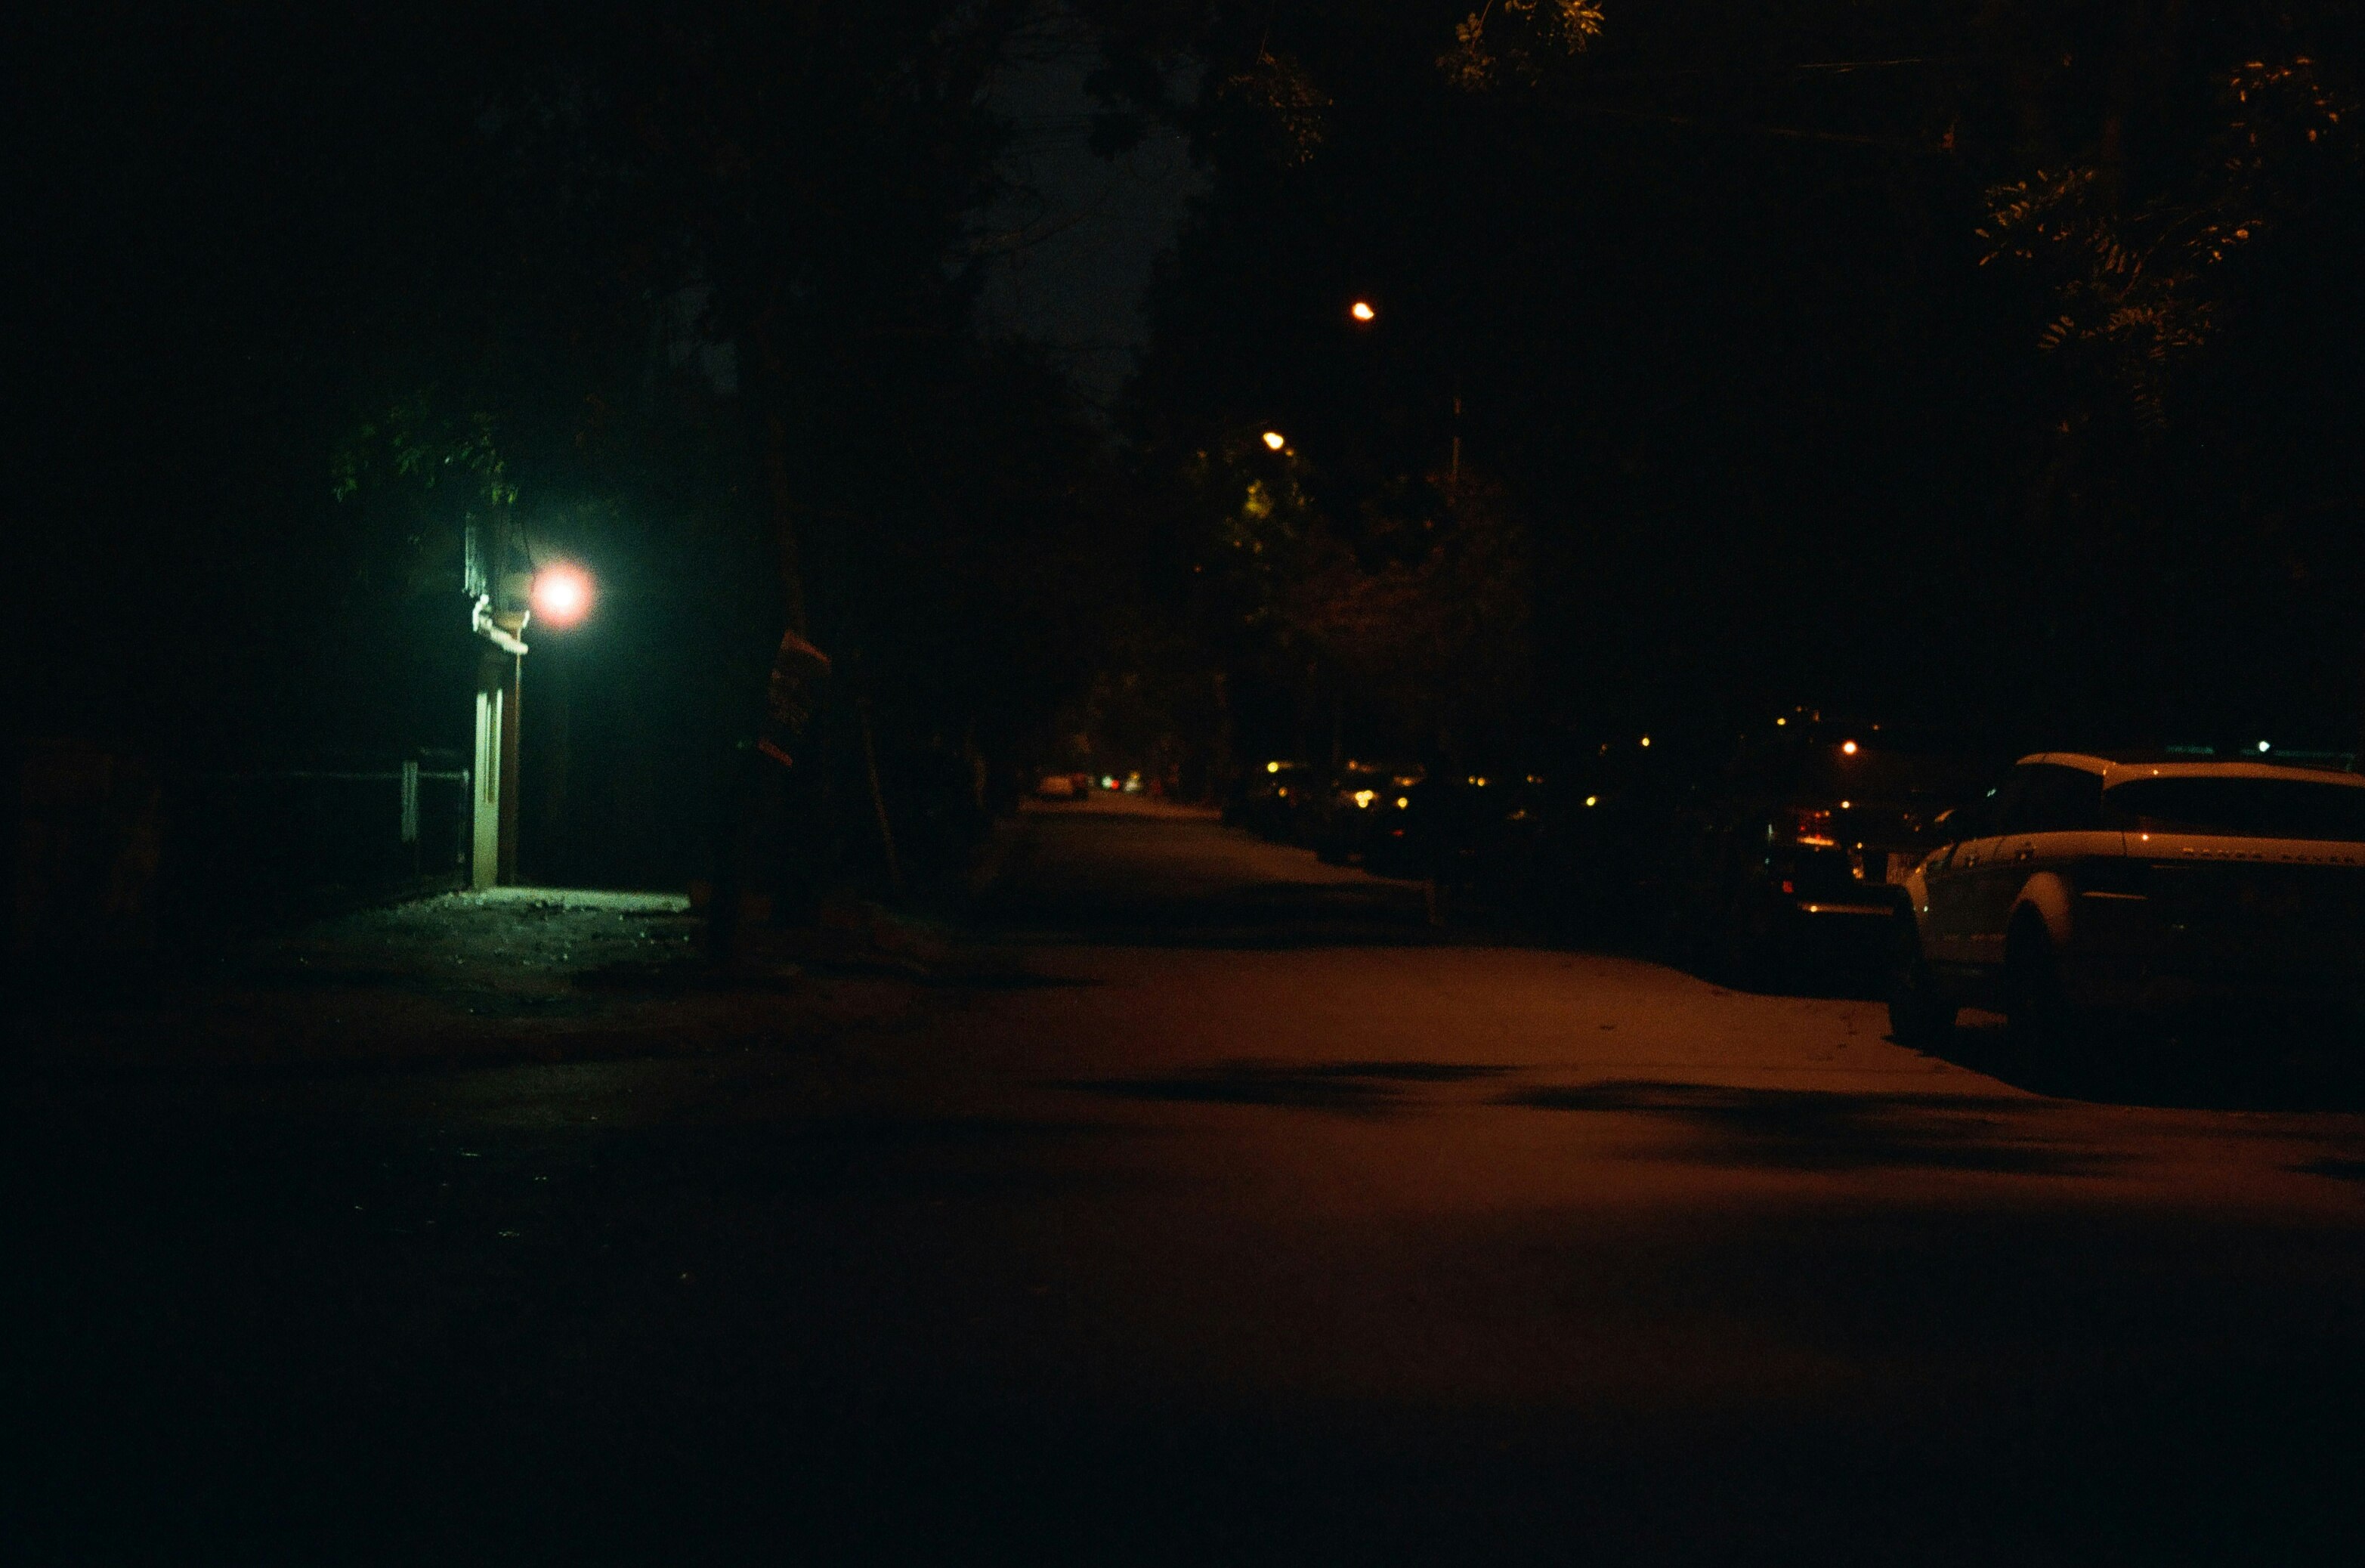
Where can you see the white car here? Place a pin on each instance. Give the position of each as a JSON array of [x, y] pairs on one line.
[[2117, 884]]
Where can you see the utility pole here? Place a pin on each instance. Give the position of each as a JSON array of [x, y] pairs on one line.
[[500, 614]]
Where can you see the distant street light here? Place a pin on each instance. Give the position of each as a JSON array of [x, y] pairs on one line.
[[1362, 310], [562, 594], [1275, 440]]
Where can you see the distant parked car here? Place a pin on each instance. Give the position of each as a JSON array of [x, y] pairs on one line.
[[1563, 848], [2127, 884], [1265, 799], [1440, 826], [1353, 813], [1056, 787], [1797, 849]]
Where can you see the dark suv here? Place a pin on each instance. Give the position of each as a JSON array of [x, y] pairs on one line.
[[1798, 847], [1352, 817], [1265, 802]]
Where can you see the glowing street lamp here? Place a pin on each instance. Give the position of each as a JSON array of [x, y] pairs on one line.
[[1274, 441], [562, 595], [1362, 310]]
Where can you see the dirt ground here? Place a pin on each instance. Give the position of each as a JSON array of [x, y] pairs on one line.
[[532, 974]]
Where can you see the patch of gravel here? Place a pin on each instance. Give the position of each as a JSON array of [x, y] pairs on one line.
[[521, 973]]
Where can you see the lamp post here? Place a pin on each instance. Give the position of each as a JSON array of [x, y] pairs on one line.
[[561, 597], [506, 601], [498, 615]]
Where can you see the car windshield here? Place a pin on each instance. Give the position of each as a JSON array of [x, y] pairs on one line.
[[2245, 808]]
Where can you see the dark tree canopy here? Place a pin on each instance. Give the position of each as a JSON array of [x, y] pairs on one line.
[[1979, 364]]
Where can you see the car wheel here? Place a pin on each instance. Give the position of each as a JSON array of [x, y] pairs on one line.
[[1920, 1016], [2033, 1005]]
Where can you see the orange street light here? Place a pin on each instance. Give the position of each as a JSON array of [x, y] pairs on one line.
[[1362, 310], [1275, 440], [562, 595]]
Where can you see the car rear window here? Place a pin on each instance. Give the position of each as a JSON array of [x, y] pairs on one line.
[[1870, 773], [2245, 808]]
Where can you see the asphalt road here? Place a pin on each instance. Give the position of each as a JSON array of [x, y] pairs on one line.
[[1250, 1219]]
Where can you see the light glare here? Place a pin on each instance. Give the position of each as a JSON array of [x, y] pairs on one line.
[[1275, 440], [562, 594], [1362, 310]]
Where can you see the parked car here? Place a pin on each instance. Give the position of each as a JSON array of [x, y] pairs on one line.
[[1797, 849], [2135, 884], [1561, 847], [1352, 811], [1056, 787], [1431, 823], [1264, 802]]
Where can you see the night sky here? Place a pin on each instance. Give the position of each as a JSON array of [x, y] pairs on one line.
[[1073, 243]]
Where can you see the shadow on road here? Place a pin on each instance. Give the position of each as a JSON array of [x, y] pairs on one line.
[[1365, 1088], [2177, 1065], [1262, 915], [1797, 1129]]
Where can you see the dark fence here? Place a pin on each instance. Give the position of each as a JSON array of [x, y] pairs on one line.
[[302, 838], [114, 860], [117, 861]]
